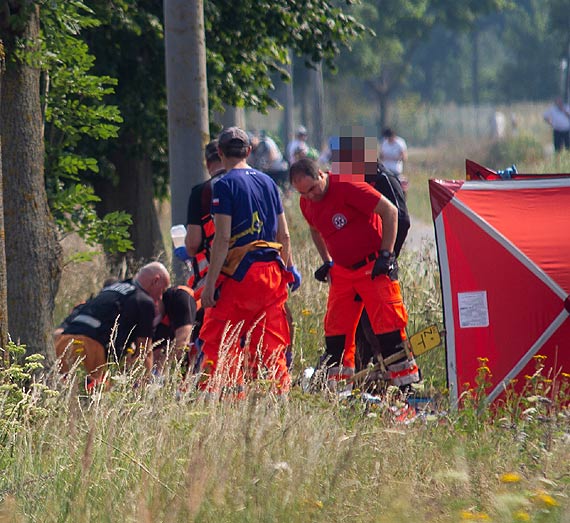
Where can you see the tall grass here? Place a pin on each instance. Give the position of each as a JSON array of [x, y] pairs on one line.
[[137, 454]]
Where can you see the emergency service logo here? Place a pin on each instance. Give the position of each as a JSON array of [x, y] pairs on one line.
[[339, 220]]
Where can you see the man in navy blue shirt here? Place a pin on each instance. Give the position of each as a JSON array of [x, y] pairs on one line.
[[245, 330]]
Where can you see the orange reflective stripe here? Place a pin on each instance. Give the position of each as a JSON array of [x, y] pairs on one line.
[[200, 266], [209, 229], [406, 372]]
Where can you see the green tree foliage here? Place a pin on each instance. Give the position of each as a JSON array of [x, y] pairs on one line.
[[75, 110], [247, 45], [559, 23], [530, 71], [247, 42], [401, 27]]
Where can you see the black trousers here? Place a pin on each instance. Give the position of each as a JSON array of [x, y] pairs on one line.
[[561, 140]]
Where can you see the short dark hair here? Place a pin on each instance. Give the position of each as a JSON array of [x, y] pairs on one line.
[[234, 142], [211, 152], [388, 133], [304, 166]]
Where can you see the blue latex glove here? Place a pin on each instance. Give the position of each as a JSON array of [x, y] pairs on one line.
[[296, 283], [181, 254]]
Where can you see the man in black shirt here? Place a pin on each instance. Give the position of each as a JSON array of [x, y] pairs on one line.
[[121, 314], [172, 336]]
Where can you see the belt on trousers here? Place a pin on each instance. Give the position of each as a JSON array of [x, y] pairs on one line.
[[368, 259]]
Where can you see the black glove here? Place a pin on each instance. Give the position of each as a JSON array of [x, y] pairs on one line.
[[385, 264], [322, 272]]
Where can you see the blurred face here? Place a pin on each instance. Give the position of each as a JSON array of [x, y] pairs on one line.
[[310, 188]]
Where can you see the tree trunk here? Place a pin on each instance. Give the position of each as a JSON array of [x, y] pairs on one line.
[[33, 253], [134, 193], [3, 279], [187, 94], [475, 84], [289, 104], [383, 111], [233, 116], [319, 106]]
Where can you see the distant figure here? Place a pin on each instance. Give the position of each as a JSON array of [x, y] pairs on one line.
[[558, 117], [393, 154], [514, 124], [498, 125], [325, 155], [266, 157], [298, 147]]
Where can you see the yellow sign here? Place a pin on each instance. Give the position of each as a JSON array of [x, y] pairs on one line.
[[425, 340]]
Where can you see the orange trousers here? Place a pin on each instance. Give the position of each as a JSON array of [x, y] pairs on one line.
[[381, 297], [70, 347], [246, 333]]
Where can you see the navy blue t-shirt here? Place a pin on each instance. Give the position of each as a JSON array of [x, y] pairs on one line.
[[252, 200]]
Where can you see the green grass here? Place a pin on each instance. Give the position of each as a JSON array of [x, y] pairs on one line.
[[139, 455]]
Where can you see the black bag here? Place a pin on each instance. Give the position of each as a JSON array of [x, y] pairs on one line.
[[388, 184]]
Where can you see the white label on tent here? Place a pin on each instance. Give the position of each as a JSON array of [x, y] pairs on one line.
[[473, 309]]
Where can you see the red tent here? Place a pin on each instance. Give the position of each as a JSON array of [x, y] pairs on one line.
[[504, 255]]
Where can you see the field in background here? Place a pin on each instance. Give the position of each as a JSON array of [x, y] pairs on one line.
[[424, 125]]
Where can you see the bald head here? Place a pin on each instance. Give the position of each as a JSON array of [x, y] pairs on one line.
[[154, 279]]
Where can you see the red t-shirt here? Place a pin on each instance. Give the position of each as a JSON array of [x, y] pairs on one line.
[[346, 219]]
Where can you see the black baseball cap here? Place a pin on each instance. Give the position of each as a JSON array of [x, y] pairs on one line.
[[233, 137]]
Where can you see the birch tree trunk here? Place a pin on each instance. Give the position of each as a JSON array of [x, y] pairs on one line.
[[187, 95]]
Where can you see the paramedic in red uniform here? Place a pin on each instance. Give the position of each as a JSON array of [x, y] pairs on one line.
[[354, 229], [245, 330]]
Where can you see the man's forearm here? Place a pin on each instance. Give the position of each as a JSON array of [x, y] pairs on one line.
[[182, 336], [193, 240], [320, 244]]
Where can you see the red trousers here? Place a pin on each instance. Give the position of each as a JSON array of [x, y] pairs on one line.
[[381, 297], [246, 333]]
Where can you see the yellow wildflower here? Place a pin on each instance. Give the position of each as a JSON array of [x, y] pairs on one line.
[[510, 477], [521, 515], [466, 515], [306, 312], [312, 331], [546, 499]]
